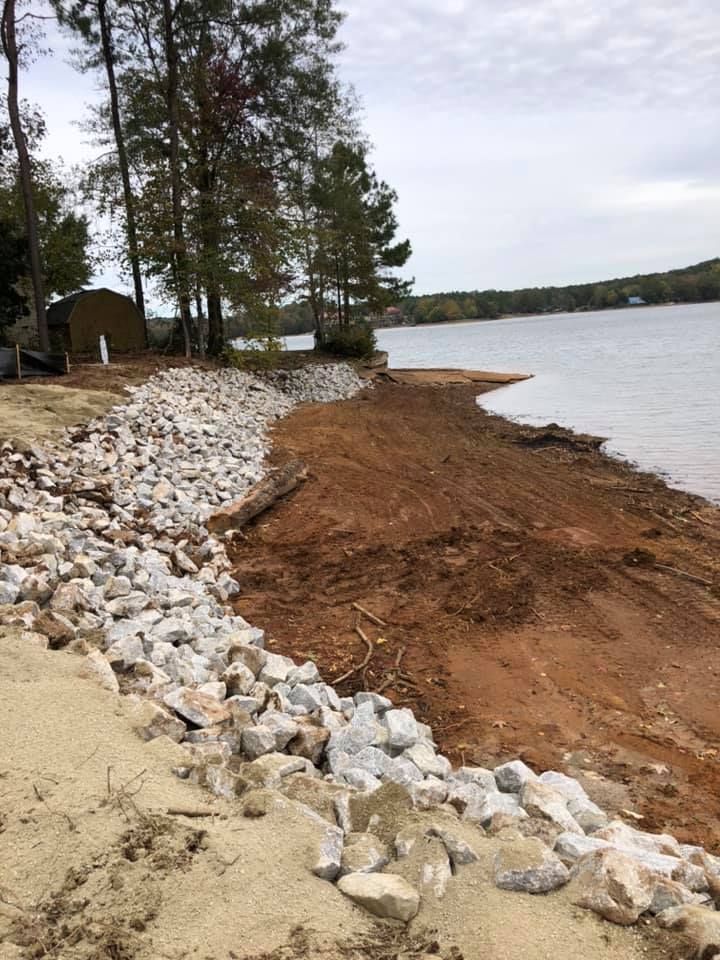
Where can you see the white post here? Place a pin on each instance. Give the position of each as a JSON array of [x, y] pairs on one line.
[[104, 351]]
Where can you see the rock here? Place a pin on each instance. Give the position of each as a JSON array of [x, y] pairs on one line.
[[327, 865], [9, 592], [539, 800], [310, 741], [427, 793], [700, 925], [612, 885], [401, 770], [363, 853], [527, 865], [511, 777], [251, 656], [620, 834], [567, 786], [283, 728], [271, 769], [382, 894], [96, 667], [308, 697], [198, 708], [238, 678], [257, 741], [483, 810], [117, 587], [356, 777], [275, 669], [570, 847], [460, 852], [215, 689], [128, 606], [379, 703], [124, 653], [588, 815], [427, 761], [151, 720], [478, 775], [435, 872], [402, 728], [69, 597], [668, 894], [172, 630], [205, 756], [306, 674]]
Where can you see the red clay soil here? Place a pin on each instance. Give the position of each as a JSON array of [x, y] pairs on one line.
[[518, 572]]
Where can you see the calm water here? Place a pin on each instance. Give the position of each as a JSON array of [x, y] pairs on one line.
[[646, 378]]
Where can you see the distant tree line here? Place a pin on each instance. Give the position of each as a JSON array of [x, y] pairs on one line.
[[693, 284]]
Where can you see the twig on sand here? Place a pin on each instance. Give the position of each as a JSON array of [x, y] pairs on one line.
[[370, 616], [361, 666], [394, 674], [56, 813], [192, 812], [701, 519], [684, 574]]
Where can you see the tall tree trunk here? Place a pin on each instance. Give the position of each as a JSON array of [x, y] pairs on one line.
[[9, 42], [338, 291], [130, 221], [180, 249], [200, 321], [216, 325], [346, 292]]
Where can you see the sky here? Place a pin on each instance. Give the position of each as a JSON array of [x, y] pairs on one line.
[[530, 142]]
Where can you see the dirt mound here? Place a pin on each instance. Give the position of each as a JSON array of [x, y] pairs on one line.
[[511, 622]]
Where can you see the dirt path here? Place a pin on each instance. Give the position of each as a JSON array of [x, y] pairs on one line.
[[496, 557]]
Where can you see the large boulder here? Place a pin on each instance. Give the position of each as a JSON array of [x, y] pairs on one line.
[[613, 886]]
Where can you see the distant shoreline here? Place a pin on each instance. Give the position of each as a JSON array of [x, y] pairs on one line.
[[525, 316]]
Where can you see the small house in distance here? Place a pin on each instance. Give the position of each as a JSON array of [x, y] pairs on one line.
[[636, 302], [77, 322]]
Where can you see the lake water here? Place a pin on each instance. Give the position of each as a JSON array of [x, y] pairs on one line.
[[648, 379]]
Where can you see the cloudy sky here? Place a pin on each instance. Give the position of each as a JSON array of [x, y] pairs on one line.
[[530, 141]]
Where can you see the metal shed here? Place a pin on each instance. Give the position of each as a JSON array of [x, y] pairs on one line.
[[76, 322]]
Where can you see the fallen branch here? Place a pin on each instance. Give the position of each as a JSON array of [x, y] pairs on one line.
[[277, 484], [370, 616], [360, 666]]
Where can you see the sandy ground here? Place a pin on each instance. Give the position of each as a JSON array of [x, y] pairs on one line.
[[37, 410], [93, 868], [495, 556]]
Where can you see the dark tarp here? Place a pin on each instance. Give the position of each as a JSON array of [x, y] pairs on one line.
[[33, 363]]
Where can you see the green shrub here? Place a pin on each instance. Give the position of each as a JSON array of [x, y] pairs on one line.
[[261, 353], [357, 340]]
